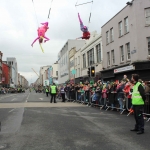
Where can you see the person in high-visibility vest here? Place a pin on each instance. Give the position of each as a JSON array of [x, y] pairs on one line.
[[138, 98], [47, 91], [53, 92]]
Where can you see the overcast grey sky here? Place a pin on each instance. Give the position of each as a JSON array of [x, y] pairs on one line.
[[19, 28]]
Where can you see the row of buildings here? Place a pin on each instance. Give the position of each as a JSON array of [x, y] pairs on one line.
[[122, 47], [9, 76]]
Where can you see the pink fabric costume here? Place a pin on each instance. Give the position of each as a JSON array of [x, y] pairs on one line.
[[41, 33]]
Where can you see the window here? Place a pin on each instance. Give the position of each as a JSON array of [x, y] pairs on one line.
[[56, 73], [90, 56], [84, 61], [98, 52], [147, 15], [111, 35], [128, 51], [78, 72], [148, 45], [108, 58], [122, 53], [120, 29], [107, 37], [78, 60], [71, 63], [113, 57], [126, 25]]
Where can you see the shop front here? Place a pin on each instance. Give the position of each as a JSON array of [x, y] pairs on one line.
[[140, 68]]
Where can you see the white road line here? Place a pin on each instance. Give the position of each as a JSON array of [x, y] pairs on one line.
[[7, 96], [27, 97], [11, 110], [13, 99]]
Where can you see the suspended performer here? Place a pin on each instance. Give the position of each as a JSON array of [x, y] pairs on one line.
[[84, 29], [41, 33]]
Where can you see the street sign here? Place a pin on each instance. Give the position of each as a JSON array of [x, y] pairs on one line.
[[46, 83], [73, 71]]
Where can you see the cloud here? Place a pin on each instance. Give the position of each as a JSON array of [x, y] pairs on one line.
[[19, 25]]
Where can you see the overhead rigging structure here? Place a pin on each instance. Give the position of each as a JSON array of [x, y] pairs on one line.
[[76, 5], [48, 11]]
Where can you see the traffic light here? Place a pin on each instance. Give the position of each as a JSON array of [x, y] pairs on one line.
[[92, 71], [89, 72]]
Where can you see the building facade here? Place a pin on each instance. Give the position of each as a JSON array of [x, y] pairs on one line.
[[91, 56], [1, 54], [11, 61], [42, 74], [126, 42], [5, 75], [55, 72], [72, 70], [63, 59]]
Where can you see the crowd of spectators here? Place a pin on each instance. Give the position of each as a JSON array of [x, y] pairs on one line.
[[4, 90], [114, 94]]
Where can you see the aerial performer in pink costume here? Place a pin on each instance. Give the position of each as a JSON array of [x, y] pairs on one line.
[[84, 29], [41, 34]]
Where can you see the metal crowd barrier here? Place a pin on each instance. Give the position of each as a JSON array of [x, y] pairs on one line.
[[82, 98], [147, 107]]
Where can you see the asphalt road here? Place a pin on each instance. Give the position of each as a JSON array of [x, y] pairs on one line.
[[68, 128], [13, 98]]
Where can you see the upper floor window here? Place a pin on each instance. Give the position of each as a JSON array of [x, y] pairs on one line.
[[98, 52], [122, 53], [120, 29], [126, 25], [107, 37], [78, 60], [147, 15], [108, 58], [113, 56], [111, 35], [56, 73], [84, 61], [128, 51], [148, 39], [90, 55]]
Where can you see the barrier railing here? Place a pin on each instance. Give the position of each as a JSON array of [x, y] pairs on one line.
[[87, 98]]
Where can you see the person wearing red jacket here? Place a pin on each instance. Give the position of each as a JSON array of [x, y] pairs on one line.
[[128, 94], [84, 29]]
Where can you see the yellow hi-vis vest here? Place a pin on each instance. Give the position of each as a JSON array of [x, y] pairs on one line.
[[53, 89], [46, 90], [136, 97]]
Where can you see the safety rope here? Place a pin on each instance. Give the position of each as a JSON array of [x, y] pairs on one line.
[[50, 10], [90, 14], [35, 13], [76, 5]]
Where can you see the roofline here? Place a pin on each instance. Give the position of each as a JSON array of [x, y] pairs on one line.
[[115, 15], [85, 46]]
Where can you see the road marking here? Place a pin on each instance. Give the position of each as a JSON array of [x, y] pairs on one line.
[[13, 99], [28, 95], [41, 99], [11, 110], [7, 96]]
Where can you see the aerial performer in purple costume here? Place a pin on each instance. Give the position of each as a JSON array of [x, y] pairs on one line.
[[84, 29], [41, 33]]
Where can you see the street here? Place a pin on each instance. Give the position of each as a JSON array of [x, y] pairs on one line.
[[30, 122]]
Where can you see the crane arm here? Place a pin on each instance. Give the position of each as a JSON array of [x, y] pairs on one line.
[[35, 72]]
